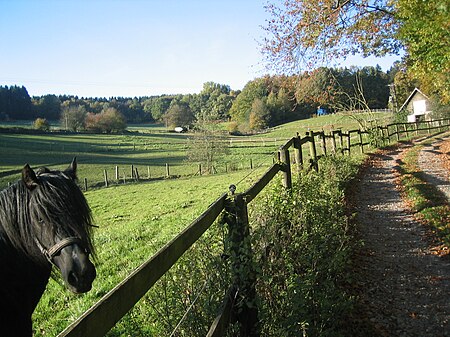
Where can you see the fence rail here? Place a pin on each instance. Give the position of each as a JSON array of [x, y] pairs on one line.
[[103, 315]]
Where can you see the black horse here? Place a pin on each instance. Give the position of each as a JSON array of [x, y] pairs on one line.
[[44, 221]]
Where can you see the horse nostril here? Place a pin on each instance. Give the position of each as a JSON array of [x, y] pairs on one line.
[[72, 279]]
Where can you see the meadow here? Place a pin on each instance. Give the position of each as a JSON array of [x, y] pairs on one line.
[[149, 148], [135, 220]]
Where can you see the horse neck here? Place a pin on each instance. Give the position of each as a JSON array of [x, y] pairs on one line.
[[22, 284]]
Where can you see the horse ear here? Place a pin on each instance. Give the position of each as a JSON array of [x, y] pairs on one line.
[[29, 177], [72, 169]]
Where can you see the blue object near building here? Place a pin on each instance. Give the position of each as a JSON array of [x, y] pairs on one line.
[[321, 111]]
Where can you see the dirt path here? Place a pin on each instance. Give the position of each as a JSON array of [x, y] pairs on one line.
[[406, 287]]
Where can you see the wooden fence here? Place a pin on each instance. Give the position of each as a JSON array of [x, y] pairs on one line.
[[103, 315]]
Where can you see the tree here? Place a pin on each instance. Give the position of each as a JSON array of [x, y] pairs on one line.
[[242, 105], [112, 121], [318, 87], [259, 115], [73, 116], [15, 103], [41, 124], [179, 114], [108, 121], [425, 29], [307, 33], [206, 147], [47, 106]]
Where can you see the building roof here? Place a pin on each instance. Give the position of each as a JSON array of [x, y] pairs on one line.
[[413, 93]]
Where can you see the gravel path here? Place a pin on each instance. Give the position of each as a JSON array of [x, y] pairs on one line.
[[406, 287]]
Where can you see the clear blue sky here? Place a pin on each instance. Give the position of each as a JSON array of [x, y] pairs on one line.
[[104, 48]]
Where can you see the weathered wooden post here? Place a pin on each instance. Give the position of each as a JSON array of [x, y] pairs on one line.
[[397, 131], [333, 141], [312, 150], [105, 174], [324, 143], [117, 173], [341, 141], [132, 172], [283, 157], [148, 172], [361, 141], [136, 174], [348, 142], [200, 169], [85, 184], [242, 265], [167, 171], [406, 129], [298, 152]]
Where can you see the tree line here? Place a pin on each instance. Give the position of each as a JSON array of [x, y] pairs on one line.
[[263, 102]]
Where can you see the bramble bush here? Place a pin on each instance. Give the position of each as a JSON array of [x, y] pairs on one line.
[[304, 242]]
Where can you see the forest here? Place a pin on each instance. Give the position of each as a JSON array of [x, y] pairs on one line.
[[263, 102]]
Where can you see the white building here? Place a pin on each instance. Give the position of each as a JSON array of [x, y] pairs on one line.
[[417, 105]]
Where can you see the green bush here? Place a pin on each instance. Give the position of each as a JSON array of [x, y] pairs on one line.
[[41, 124], [303, 239]]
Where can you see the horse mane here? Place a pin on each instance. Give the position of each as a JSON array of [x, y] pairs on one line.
[[56, 203]]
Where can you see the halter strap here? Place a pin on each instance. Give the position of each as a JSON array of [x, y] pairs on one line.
[[51, 252]]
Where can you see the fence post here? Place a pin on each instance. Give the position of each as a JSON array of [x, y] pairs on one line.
[[341, 141], [242, 266], [298, 152], [283, 156], [132, 172], [348, 142], [117, 172], [85, 184], [406, 129], [361, 141], [167, 171], [324, 143], [105, 174], [333, 141], [312, 150], [136, 174], [397, 131]]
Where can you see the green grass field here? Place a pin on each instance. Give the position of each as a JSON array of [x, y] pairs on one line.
[[137, 219], [148, 148]]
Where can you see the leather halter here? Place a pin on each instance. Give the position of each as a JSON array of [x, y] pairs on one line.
[[54, 250]]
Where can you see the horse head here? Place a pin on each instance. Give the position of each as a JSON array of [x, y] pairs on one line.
[[61, 224]]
